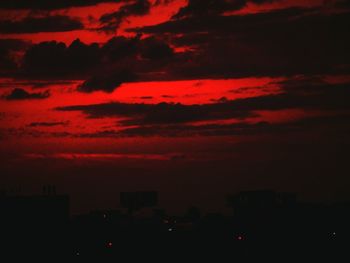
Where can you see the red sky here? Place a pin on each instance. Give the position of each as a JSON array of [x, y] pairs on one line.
[[161, 94]]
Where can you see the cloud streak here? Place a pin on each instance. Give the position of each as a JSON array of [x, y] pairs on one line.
[[42, 24], [111, 21], [21, 94], [50, 5]]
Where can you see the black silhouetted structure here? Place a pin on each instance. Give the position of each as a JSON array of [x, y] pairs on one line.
[[265, 225], [137, 200], [260, 203], [40, 208]]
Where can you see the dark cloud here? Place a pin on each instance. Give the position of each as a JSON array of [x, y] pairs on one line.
[[56, 60], [13, 44], [8, 50], [47, 124], [204, 8], [208, 7], [42, 24], [278, 43], [318, 97], [33, 84], [329, 124], [323, 97], [50, 5], [111, 21], [230, 24], [181, 130], [162, 113], [282, 42], [44, 84], [21, 94], [163, 2], [153, 48], [120, 47], [222, 99], [105, 67], [333, 126], [302, 83], [107, 82]]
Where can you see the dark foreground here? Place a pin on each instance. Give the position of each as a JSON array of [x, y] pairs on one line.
[[257, 230]]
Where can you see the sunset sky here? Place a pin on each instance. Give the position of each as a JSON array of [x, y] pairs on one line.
[[195, 99]]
